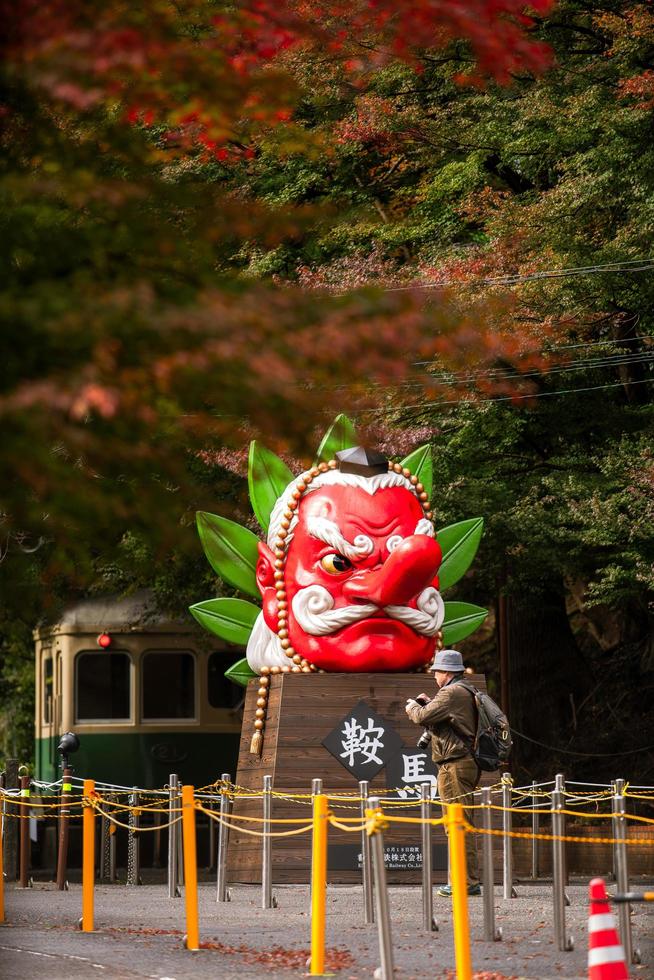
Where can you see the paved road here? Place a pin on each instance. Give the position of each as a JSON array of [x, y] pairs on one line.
[[139, 934]]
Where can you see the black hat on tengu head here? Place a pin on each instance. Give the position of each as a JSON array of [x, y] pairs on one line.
[[362, 462]]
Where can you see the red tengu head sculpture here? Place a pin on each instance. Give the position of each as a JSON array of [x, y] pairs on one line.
[[349, 574]]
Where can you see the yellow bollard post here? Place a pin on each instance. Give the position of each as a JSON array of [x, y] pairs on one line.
[[88, 857], [456, 834], [319, 885], [190, 868]]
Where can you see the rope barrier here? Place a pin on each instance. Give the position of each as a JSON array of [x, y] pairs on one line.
[[126, 826], [257, 833], [552, 837], [216, 816]]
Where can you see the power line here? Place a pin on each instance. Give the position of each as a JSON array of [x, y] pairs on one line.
[[453, 378], [626, 266], [606, 342], [592, 364], [510, 398]]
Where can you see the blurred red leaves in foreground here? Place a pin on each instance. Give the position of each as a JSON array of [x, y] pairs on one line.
[[211, 77], [132, 334]]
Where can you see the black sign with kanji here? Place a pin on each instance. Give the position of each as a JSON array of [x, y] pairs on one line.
[[363, 741], [408, 769]]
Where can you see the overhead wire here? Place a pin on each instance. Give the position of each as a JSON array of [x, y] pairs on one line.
[[622, 266], [451, 378], [602, 342], [504, 398]]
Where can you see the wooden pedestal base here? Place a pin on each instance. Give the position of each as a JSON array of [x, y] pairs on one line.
[[303, 709]]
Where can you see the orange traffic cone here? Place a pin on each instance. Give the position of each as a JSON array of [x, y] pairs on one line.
[[606, 960]]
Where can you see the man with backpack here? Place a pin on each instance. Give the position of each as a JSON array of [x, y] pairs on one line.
[[452, 718]]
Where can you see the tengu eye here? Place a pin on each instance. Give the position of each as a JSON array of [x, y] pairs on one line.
[[335, 563]]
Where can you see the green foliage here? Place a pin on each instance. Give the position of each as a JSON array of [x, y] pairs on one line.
[[231, 619], [459, 543], [231, 549], [240, 673], [340, 435], [461, 619], [420, 464], [268, 477]]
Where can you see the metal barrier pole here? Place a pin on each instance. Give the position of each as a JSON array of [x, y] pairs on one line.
[[105, 840], [222, 891], [64, 817], [428, 920], [190, 868], [564, 941], [508, 891], [88, 856], [382, 909], [213, 838], [268, 900], [11, 825], [491, 934], [180, 853], [617, 786], [2, 876], [173, 834], [24, 851], [318, 884], [559, 784], [113, 829], [535, 829], [622, 874], [456, 833], [366, 857], [156, 844], [133, 841], [107, 867]]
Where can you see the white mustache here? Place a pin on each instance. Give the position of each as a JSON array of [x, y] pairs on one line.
[[314, 612]]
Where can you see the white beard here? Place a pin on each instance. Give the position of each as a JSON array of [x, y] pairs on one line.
[[313, 608], [264, 648], [314, 612]]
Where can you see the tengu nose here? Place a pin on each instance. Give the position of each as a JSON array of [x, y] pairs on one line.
[[405, 573]]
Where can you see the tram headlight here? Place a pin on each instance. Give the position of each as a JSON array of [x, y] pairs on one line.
[[68, 743]]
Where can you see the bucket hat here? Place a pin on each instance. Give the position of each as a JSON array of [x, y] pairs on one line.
[[448, 660]]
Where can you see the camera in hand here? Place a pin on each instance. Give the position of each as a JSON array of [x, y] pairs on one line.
[[424, 740]]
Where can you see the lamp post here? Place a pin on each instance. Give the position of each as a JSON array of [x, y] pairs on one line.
[[68, 743]]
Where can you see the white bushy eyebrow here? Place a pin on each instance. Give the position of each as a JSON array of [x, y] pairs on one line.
[[369, 484], [422, 527], [330, 533]]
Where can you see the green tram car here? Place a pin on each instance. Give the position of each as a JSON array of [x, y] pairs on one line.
[[147, 697]]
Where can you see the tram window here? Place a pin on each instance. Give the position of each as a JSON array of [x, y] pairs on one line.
[[221, 692], [47, 690], [168, 684], [102, 686]]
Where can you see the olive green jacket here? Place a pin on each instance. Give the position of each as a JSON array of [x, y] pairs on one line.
[[449, 715]]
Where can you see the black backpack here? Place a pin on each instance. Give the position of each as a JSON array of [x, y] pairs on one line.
[[492, 743]]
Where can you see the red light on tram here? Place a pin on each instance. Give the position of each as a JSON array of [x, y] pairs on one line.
[[104, 640]]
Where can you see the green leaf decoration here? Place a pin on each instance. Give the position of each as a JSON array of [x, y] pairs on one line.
[[240, 673], [461, 619], [340, 435], [459, 543], [231, 619], [420, 464], [268, 477], [231, 550]]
